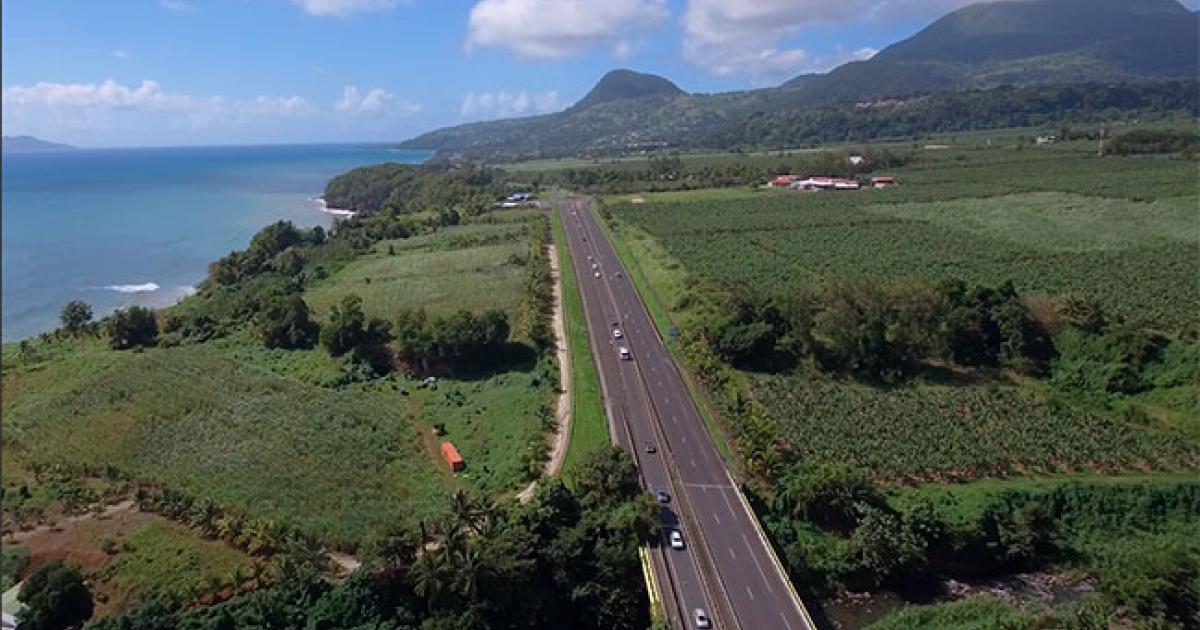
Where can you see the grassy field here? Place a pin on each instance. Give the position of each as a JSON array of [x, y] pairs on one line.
[[163, 557], [261, 429], [444, 272], [1056, 222], [589, 427]]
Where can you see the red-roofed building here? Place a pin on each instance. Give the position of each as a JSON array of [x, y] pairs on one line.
[[783, 181], [883, 182]]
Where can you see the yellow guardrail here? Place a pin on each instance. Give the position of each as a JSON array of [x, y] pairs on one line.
[[656, 608]]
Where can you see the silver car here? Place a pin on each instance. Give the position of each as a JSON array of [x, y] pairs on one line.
[[701, 618]]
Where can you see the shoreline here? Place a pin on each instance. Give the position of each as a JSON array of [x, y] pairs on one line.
[[319, 202]]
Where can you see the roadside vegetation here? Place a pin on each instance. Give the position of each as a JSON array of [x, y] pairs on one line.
[[1010, 311], [589, 425]]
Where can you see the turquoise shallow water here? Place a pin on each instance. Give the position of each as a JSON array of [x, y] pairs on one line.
[[118, 227]]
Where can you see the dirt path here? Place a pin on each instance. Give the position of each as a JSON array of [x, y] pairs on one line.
[[562, 414]]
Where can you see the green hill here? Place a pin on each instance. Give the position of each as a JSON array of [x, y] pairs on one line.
[[627, 84], [980, 47]]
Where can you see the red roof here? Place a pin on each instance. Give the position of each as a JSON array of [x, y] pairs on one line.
[[884, 180], [450, 454]]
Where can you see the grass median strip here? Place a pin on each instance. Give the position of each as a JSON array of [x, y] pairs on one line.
[[589, 430]]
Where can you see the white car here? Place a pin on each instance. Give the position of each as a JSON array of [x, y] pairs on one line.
[[617, 334], [596, 274], [626, 355], [676, 539], [701, 618]]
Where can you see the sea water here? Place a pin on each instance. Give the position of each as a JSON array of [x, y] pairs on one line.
[[119, 227]]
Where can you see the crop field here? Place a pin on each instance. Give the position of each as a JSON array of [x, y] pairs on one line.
[[1048, 233], [468, 267], [329, 461], [941, 433]]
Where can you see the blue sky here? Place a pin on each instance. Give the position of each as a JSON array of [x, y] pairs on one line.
[[177, 72]]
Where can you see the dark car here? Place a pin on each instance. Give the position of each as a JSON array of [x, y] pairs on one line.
[[662, 496]]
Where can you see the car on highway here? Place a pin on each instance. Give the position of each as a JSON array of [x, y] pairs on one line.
[[662, 496], [676, 539], [701, 618], [617, 334], [649, 447], [618, 275], [596, 274], [625, 354]]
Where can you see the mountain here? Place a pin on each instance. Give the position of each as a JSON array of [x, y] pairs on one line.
[[976, 49], [29, 144], [1018, 42], [627, 84]]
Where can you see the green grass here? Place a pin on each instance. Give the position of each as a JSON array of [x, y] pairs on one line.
[[470, 267], [167, 558], [12, 558], [962, 505], [589, 426]]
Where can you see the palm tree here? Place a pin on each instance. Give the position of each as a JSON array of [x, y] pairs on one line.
[[260, 573], [429, 579], [237, 578]]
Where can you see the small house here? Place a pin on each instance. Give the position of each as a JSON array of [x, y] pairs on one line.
[[453, 459], [815, 184], [856, 159], [783, 181], [883, 182]]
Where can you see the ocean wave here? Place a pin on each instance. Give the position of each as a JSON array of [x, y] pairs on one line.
[[133, 288]]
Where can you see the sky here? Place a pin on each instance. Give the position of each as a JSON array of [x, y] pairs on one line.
[[204, 72]]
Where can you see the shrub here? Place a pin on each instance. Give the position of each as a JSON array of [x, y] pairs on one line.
[[132, 327]]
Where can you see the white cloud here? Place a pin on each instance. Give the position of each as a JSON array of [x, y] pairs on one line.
[[177, 6], [121, 54], [747, 37], [95, 106], [343, 8], [550, 29], [508, 104], [375, 102]]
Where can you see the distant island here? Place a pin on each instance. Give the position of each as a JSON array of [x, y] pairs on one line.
[[30, 144]]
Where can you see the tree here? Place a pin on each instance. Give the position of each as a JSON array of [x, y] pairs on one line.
[[75, 315], [55, 597], [830, 495], [285, 323], [132, 327], [345, 327], [606, 477]]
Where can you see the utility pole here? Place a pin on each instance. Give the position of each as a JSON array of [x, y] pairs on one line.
[[1100, 151]]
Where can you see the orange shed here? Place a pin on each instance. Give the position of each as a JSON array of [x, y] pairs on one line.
[[450, 454]]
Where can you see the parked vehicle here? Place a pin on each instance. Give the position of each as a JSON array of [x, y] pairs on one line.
[[676, 539]]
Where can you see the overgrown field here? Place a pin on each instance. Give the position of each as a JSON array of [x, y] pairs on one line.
[[469, 267], [272, 432], [1124, 231], [941, 432]]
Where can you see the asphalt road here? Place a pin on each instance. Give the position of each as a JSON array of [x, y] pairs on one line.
[[726, 567]]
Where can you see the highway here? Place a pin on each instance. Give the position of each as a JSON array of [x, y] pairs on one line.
[[726, 567]]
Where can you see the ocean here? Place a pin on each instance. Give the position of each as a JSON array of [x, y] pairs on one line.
[[119, 227]]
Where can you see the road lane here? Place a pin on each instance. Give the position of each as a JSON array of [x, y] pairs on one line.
[[744, 588]]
